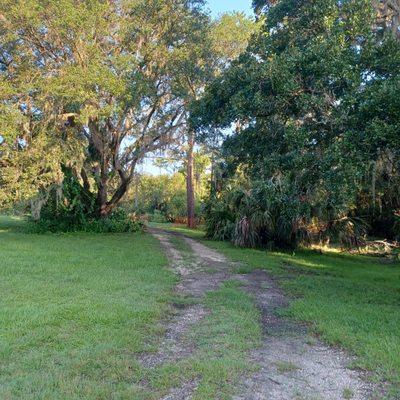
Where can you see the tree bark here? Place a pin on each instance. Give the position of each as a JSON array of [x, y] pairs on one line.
[[102, 198], [106, 207], [191, 220]]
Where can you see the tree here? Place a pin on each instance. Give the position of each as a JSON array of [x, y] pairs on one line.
[[190, 182], [222, 41], [106, 79], [227, 38], [305, 97]]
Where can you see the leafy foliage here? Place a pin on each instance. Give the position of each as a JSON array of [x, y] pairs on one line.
[[98, 85], [71, 208], [313, 100], [264, 214], [109, 79], [117, 222], [162, 198]]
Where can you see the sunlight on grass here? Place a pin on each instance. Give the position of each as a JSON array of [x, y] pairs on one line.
[[10, 223], [194, 233]]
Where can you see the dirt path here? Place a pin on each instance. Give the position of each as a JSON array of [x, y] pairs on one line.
[[195, 280], [292, 365]]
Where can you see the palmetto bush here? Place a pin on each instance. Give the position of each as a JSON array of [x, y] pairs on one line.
[[267, 214], [272, 214], [220, 218]]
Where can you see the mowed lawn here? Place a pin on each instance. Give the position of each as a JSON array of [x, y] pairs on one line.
[[74, 311], [352, 301]]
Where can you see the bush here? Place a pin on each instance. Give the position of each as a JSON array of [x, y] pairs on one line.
[[220, 220], [117, 222], [71, 208], [157, 216], [272, 214], [267, 214], [396, 228]]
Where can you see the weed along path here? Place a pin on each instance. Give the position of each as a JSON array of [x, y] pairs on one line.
[[225, 338]]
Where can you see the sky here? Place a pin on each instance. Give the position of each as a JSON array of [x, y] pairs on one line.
[[219, 6]]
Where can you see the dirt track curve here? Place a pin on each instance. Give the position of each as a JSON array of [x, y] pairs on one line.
[[292, 365]]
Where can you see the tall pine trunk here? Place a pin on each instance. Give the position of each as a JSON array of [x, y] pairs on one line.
[[191, 220]]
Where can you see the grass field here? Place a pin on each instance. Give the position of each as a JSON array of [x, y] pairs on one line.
[[178, 228], [74, 309]]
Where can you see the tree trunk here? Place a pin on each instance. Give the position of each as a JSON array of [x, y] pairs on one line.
[[191, 221], [102, 186], [102, 198], [106, 207]]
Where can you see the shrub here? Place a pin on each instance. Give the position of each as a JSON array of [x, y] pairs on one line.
[[265, 214], [219, 221], [71, 208], [157, 216], [273, 214], [396, 228], [116, 222]]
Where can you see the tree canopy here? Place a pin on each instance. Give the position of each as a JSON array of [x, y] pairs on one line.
[[311, 92], [94, 86], [106, 80], [314, 100]]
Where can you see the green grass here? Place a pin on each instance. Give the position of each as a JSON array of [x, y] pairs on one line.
[[183, 247], [222, 340], [179, 228], [352, 301], [74, 310], [348, 393], [285, 367]]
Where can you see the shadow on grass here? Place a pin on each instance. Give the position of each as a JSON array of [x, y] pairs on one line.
[[9, 223]]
